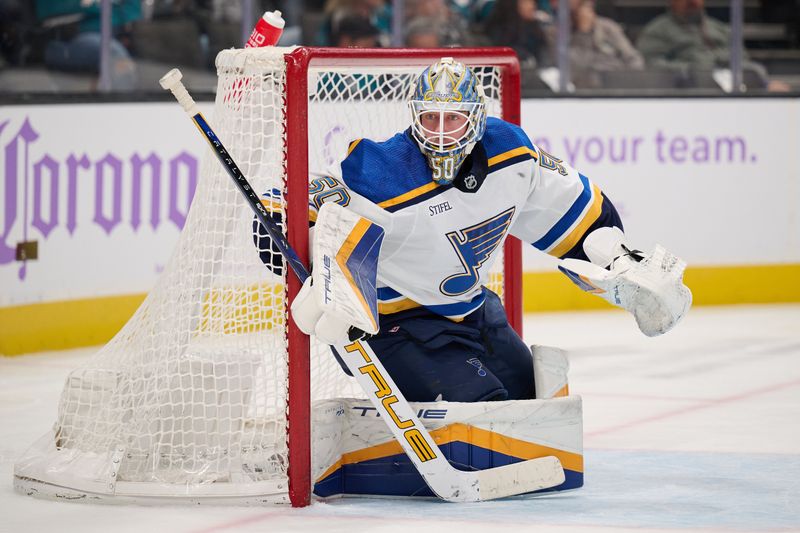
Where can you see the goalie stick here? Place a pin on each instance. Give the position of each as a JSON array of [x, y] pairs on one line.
[[443, 479]]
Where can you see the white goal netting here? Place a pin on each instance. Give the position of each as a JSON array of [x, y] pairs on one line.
[[189, 399]]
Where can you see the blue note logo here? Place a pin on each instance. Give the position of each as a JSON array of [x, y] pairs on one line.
[[479, 365], [474, 246]]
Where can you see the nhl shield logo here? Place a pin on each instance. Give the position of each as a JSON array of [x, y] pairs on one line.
[[471, 182]]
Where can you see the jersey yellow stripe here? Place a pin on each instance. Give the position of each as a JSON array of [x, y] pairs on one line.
[[513, 153], [409, 195], [353, 146], [588, 219], [407, 303], [272, 205], [432, 185], [396, 307]]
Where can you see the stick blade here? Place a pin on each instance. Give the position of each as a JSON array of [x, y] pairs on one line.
[[519, 478]]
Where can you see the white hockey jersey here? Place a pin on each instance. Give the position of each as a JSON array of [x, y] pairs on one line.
[[441, 241]]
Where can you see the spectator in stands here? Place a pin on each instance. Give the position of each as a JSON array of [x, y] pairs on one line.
[[518, 24], [686, 39], [785, 12], [354, 31], [598, 44], [453, 28], [11, 43], [81, 53], [422, 33], [475, 12], [377, 12]]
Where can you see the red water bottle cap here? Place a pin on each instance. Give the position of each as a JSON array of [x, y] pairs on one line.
[[267, 31]]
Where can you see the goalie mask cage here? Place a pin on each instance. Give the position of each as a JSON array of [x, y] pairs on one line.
[[205, 394]]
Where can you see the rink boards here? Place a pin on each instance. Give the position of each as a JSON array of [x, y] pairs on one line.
[[712, 180]]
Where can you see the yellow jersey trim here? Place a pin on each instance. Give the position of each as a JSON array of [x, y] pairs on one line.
[[409, 195], [589, 218], [513, 153], [395, 307], [352, 146], [272, 205]]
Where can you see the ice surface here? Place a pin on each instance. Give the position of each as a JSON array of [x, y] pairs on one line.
[[696, 430]]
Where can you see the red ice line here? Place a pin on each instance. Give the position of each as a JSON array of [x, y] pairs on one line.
[[704, 404]]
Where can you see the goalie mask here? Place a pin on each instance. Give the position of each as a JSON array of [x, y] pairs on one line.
[[449, 116]]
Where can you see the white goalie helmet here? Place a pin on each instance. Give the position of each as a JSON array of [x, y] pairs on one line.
[[448, 112]]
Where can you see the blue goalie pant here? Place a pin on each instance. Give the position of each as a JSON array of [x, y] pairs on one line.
[[432, 358]]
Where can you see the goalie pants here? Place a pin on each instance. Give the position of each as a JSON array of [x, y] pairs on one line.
[[432, 358]]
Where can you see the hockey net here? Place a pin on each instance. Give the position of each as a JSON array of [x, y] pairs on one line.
[[194, 398]]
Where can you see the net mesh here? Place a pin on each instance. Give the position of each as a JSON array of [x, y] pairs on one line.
[[192, 392]]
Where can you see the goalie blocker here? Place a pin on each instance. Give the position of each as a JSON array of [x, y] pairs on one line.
[[341, 295]]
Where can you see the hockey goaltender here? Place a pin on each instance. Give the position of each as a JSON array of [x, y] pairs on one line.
[[446, 193]]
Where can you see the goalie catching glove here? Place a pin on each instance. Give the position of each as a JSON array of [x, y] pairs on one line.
[[648, 286], [340, 299]]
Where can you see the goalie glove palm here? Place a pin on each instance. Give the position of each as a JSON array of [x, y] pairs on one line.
[[651, 288]]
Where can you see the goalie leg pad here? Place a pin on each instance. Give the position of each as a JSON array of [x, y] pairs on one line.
[[550, 368], [354, 453]]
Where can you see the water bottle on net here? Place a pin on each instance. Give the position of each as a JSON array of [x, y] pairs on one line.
[[266, 32]]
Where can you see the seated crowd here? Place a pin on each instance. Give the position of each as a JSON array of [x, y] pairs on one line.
[[683, 46]]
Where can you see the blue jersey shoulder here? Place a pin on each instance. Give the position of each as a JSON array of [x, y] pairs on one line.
[[502, 137], [380, 171]]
